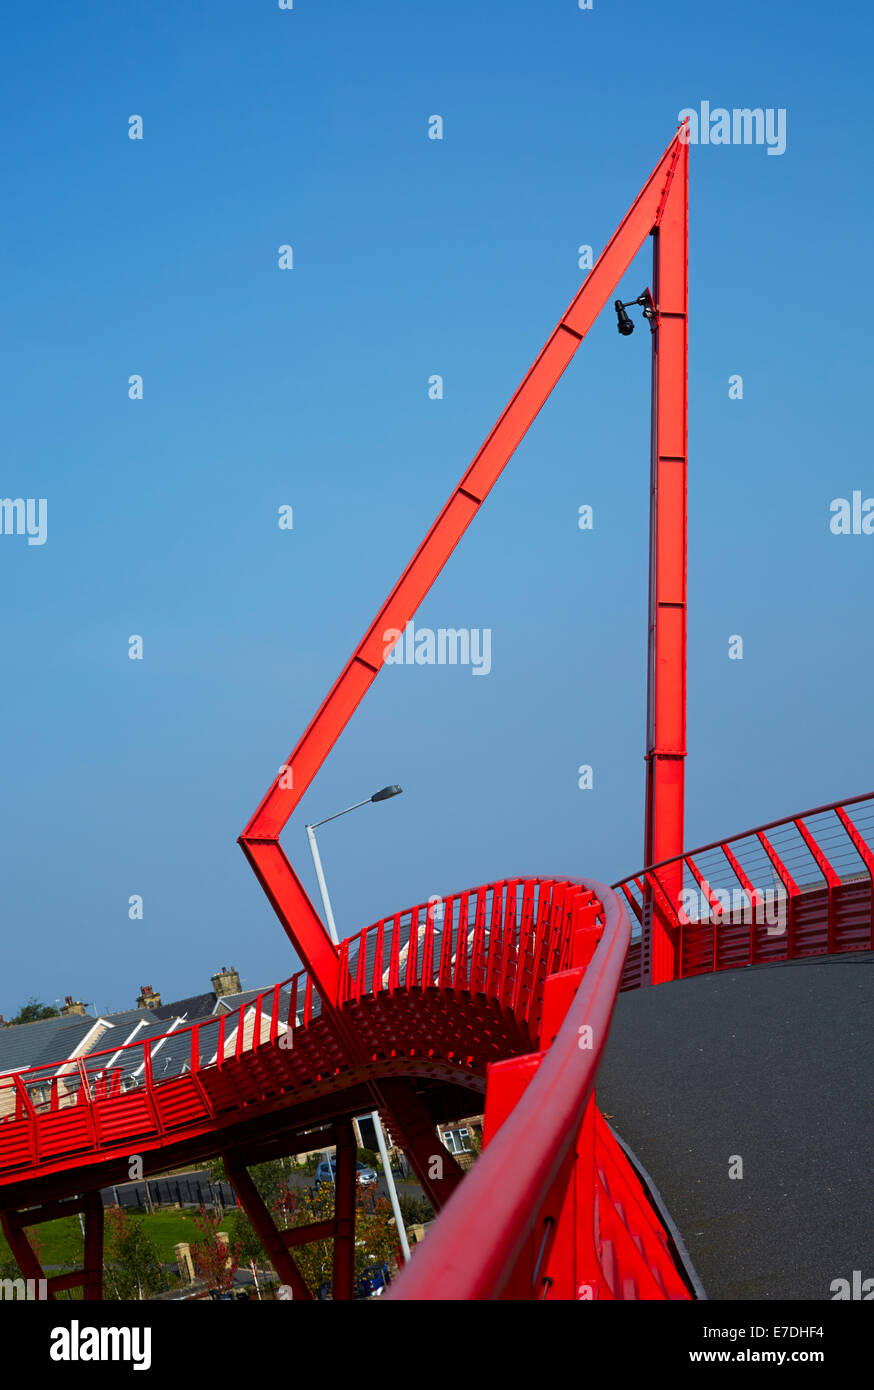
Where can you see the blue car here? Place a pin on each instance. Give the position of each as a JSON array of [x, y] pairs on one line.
[[373, 1281]]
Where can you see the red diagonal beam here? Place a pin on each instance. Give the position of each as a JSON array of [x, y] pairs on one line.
[[258, 840]]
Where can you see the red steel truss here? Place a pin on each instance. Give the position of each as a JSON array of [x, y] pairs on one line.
[[504, 1002], [660, 210], [478, 1005]]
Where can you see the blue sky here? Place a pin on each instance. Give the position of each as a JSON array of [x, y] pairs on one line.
[[309, 388]]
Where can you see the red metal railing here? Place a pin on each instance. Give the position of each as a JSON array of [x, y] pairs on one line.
[[785, 890], [552, 1208], [141, 1088], [498, 943]]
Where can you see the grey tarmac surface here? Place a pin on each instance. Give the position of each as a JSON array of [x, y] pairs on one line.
[[774, 1064]]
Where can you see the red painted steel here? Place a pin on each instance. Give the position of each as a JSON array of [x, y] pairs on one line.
[[506, 953], [90, 1277], [558, 1216], [666, 664], [275, 1242], [42, 1131], [503, 991], [790, 889], [660, 207]]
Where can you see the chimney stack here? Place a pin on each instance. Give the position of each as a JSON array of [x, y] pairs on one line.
[[226, 981], [147, 998], [71, 1006]]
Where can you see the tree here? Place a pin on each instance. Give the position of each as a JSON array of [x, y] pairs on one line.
[[301, 1208], [216, 1169], [132, 1263], [243, 1234], [376, 1236], [271, 1179], [32, 1011], [216, 1261], [375, 1233]]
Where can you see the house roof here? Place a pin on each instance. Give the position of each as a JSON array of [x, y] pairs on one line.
[[197, 1006], [55, 1040], [45, 1041], [230, 1002], [129, 1016], [131, 1060]]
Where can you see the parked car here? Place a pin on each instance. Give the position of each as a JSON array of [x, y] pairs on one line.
[[327, 1172]]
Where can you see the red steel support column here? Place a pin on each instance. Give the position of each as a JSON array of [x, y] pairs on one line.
[[413, 1128], [90, 1276], [666, 670], [272, 1239], [21, 1247], [344, 1212], [93, 1261]]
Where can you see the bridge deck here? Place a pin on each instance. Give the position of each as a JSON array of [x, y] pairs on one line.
[[773, 1064]]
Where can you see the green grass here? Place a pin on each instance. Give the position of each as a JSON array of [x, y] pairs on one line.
[[62, 1240], [61, 1243]]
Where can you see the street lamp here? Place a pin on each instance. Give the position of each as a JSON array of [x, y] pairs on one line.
[[625, 324], [382, 795]]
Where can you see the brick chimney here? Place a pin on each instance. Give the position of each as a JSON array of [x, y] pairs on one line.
[[71, 1006], [226, 981], [147, 998]]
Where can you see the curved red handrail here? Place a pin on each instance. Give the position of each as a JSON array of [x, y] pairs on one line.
[[473, 1246], [816, 868], [498, 942], [756, 830]]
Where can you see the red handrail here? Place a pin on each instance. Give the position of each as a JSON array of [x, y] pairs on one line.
[[471, 1251], [835, 806], [823, 875]]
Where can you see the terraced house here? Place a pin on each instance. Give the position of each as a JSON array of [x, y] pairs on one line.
[[56, 1062]]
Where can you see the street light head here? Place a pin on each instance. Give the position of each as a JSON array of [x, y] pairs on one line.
[[625, 324], [386, 793]]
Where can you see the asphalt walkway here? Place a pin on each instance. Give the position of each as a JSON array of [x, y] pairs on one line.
[[773, 1065]]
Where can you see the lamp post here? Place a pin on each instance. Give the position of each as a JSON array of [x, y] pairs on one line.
[[383, 795]]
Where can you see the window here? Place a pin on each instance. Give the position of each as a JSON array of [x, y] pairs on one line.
[[457, 1141]]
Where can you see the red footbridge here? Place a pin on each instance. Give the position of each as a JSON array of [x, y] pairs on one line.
[[496, 999]]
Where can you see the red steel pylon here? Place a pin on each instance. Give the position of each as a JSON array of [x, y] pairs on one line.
[[660, 209]]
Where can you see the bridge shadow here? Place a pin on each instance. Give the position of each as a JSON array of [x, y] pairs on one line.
[[773, 1064]]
